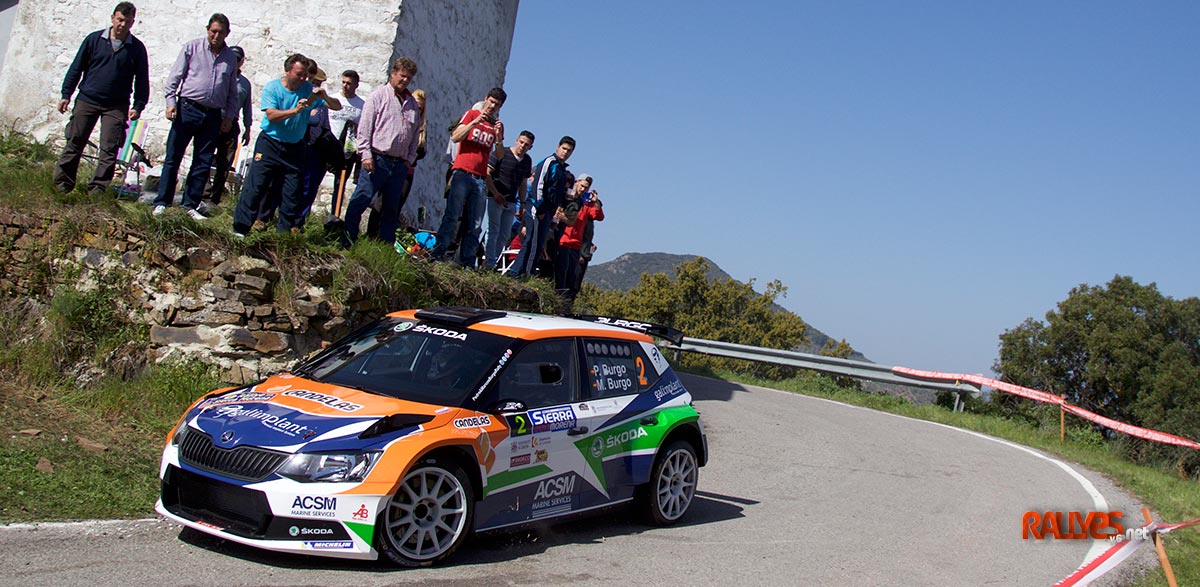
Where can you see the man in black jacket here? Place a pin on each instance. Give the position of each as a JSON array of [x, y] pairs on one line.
[[112, 63]]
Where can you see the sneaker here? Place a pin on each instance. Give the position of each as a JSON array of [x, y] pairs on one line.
[[295, 230], [258, 225], [205, 207], [158, 210], [238, 235], [196, 215]]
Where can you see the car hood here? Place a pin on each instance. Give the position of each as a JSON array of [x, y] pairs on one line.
[[287, 412]]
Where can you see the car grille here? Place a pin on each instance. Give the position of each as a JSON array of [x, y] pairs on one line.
[[238, 510], [244, 463]]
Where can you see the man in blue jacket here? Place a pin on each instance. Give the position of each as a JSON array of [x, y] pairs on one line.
[[112, 63], [549, 186]]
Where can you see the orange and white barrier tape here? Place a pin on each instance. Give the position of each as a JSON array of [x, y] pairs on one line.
[[1041, 396], [1118, 553]]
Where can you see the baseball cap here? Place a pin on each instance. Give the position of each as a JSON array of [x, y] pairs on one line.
[[584, 177], [320, 76]]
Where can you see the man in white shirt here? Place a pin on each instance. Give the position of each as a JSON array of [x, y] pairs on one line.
[[344, 125]]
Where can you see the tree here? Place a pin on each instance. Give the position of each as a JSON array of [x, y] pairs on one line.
[[1123, 350], [722, 309]]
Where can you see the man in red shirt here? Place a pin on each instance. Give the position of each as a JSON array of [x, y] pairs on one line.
[[479, 133]]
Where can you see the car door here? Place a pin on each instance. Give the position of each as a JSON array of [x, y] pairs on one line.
[[619, 415], [536, 474]]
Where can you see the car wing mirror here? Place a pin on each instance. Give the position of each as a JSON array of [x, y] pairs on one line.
[[550, 373], [506, 406]]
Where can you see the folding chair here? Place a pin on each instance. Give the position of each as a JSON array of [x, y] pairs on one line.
[[131, 157]]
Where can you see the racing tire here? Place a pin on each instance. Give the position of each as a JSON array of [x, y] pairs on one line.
[[429, 517], [672, 484]]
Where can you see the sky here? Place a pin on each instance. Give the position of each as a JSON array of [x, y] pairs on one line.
[[921, 175]]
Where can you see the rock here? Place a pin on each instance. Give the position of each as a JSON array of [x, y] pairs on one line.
[[310, 309], [272, 342], [30, 432], [201, 259], [257, 286], [44, 465], [242, 338], [172, 252], [209, 317], [88, 444]]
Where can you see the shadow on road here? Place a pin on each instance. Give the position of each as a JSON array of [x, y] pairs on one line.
[[707, 389], [500, 545]]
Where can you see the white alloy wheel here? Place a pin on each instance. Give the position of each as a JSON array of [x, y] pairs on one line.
[[673, 483], [428, 517]]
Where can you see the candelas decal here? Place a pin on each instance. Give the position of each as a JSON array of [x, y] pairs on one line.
[[473, 422], [321, 398]]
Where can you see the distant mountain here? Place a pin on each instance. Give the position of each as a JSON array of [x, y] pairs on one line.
[[624, 272]]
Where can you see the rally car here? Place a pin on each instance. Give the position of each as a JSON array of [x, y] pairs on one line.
[[425, 426]]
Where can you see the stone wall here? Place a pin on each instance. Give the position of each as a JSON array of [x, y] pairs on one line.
[[461, 48], [240, 312]]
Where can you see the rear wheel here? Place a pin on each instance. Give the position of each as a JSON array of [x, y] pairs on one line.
[[429, 517], [672, 484]]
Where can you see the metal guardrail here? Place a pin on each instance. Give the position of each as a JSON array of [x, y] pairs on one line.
[[832, 365]]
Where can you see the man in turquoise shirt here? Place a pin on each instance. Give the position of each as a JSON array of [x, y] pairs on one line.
[[287, 103]]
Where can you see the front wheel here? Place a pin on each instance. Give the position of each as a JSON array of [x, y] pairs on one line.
[[672, 484], [429, 517]]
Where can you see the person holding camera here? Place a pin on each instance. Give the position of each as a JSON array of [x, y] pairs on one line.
[[580, 210], [479, 133]]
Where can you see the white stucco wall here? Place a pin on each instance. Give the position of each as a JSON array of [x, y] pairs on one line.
[[461, 48]]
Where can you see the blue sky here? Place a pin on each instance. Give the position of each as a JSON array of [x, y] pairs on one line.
[[922, 175]]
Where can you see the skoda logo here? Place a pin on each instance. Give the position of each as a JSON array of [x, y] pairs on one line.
[[401, 327], [597, 447], [294, 531], [227, 436]]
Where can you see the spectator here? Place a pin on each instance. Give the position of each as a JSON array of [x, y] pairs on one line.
[[344, 125], [321, 147], [547, 191], [286, 104], [227, 141], [201, 103], [507, 179], [479, 132], [388, 135], [110, 61], [376, 203], [574, 218]]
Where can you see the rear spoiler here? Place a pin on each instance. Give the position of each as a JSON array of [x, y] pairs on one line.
[[664, 332]]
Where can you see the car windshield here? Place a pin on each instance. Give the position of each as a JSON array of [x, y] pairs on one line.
[[409, 360]]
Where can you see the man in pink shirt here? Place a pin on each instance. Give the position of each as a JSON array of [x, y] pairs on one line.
[[479, 133], [388, 135]]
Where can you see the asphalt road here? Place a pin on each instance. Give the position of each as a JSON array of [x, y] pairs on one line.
[[799, 491]]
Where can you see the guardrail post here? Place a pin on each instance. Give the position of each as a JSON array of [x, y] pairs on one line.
[[1162, 552]]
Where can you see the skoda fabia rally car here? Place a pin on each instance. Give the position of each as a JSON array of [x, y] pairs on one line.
[[425, 426]]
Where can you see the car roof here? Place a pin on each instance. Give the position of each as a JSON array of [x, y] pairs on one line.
[[528, 326]]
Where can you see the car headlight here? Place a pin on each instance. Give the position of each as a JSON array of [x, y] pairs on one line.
[[329, 467], [180, 431]]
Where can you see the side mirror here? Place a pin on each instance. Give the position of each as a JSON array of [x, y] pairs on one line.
[[506, 406], [550, 373]]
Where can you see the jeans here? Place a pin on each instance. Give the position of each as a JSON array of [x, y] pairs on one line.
[[79, 128], [388, 180], [275, 162], [227, 150], [500, 221], [192, 123], [466, 200]]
